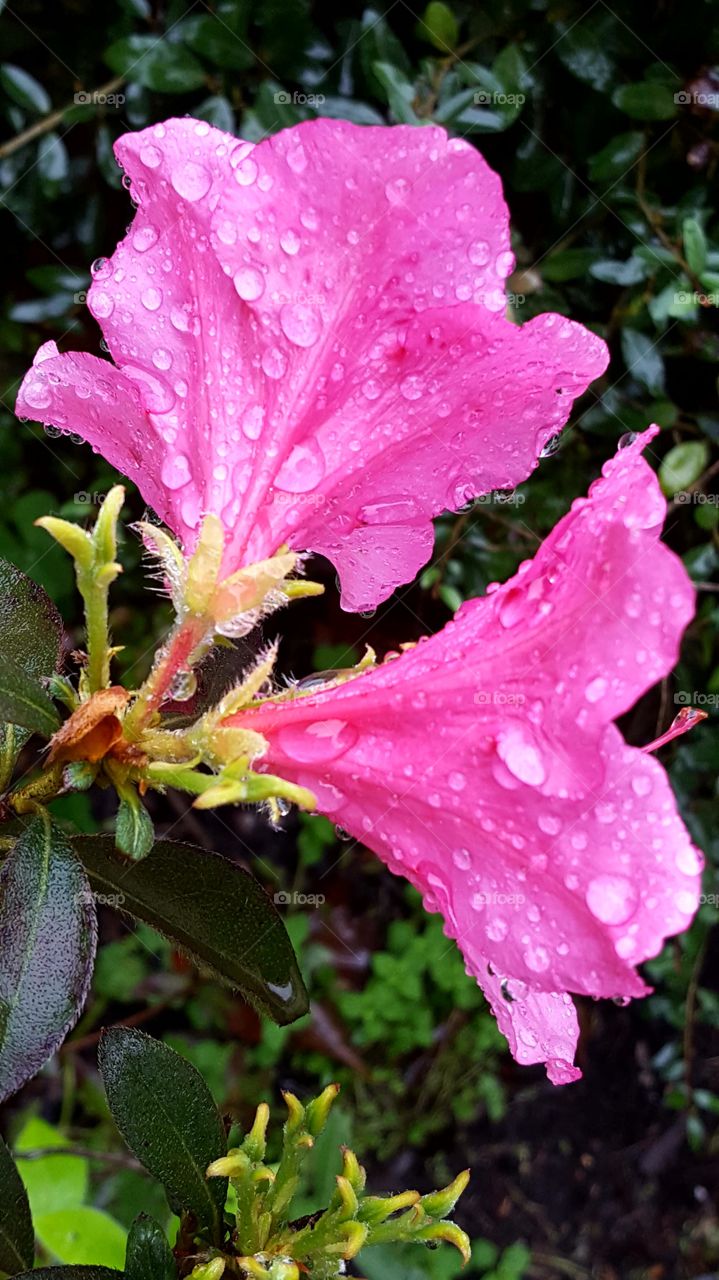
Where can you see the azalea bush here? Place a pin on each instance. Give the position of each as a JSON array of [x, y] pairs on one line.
[[315, 341]]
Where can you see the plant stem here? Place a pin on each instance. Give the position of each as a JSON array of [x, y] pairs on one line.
[[97, 626], [176, 655]]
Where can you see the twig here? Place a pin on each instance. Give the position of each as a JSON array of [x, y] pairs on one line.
[[48, 123]]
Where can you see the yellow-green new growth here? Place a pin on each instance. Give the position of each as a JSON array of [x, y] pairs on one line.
[[272, 1246]]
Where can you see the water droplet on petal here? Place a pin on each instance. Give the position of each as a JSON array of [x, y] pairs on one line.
[[319, 741], [191, 181], [301, 324], [290, 242], [249, 283], [521, 757], [612, 899], [303, 469], [274, 362], [537, 959], [596, 689], [151, 299], [478, 253], [175, 470]]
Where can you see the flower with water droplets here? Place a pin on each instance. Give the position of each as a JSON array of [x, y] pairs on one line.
[[309, 342], [484, 765]]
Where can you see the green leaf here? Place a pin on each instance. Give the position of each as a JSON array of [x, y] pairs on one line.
[[611, 271], [17, 1240], [568, 264], [47, 943], [134, 832], [647, 100], [82, 1235], [211, 39], [23, 702], [215, 912], [52, 1182], [614, 160], [643, 360], [216, 110], [71, 1273], [695, 245], [682, 466], [168, 1118], [31, 638], [149, 1256], [24, 89], [30, 625], [438, 25], [156, 64], [398, 91], [587, 48]]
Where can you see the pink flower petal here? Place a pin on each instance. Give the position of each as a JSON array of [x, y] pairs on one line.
[[483, 765], [315, 329], [373, 261]]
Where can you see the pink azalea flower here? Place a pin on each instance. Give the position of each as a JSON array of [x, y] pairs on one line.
[[484, 766], [309, 341]]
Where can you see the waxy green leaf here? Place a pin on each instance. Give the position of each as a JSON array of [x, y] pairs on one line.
[[47, 943], [168, 1118], [17, 1241], [211, 909]]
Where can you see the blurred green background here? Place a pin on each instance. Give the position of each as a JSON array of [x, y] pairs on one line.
[[602, 121]]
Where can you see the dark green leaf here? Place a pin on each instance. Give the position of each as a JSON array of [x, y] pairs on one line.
[[619, 155], [70, 1273], [586, 48], [398, 92], [217, 111], [567, 264], [168, 1118], [211, 909], [695, 245], [30, 625], [23, 702], [643, 359], [211, 39], [438, 25], [156, 64], [648, 100], [149, 1256], [17, 1240], [24, 89], [30, 637], [47, 944]]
